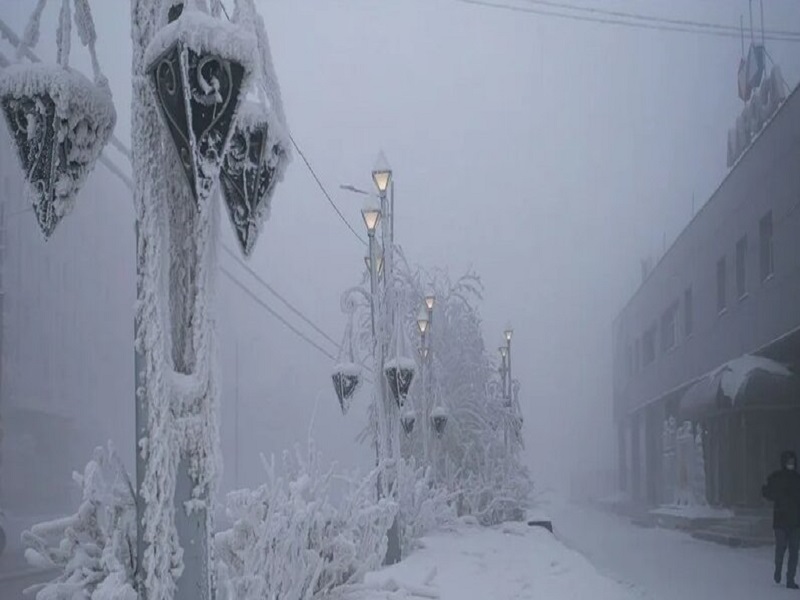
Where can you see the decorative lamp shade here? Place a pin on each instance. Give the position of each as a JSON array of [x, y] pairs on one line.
[[423, 321], [199, 67], [407, 420], [346, 380], [368, 262], [382, 174], [371, 216], [430, 300], [399, 373], [503, 351], [253, 165], [439, 420], [508, 333], [59, 122]]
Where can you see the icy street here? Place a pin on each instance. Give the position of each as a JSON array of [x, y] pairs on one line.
[[592, 555], [660, 564]]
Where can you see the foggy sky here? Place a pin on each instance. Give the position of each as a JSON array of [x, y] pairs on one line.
[[548, 155]]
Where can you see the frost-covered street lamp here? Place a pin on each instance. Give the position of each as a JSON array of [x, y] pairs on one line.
[[508, 333], [382, 174], [190, 73], [368, 263], [422, 321], [430, 301], [504, 370]]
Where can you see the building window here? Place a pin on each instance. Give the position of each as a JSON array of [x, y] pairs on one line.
[[765, 245], [688, 316], [649, 346], [669, 328], [741, 267], [721, 285]]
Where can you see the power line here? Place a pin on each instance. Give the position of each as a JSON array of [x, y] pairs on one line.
[[274, 292], [618, 22], [125, 151], [274, 313], [324, 191], [311, 170], [656, 19]]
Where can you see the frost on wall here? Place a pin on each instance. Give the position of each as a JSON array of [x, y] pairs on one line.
[[289, 541], [96, 547]]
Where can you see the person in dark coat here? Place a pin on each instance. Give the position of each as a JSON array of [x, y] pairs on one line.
[[783, 489]]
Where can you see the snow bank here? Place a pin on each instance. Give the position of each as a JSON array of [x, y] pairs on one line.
[[476, 563]]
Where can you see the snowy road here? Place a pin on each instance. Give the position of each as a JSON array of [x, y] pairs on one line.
[[511, 562], [666, 565]]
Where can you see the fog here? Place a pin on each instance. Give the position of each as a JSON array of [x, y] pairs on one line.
[[548, 155]]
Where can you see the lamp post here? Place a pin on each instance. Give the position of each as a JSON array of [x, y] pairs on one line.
[[189, 74], [504, 370], [508, 333], [423, 324]]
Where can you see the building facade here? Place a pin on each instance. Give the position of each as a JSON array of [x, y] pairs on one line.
[[712, 337]]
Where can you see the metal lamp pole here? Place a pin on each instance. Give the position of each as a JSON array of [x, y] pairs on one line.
[[423, 324], [382, 178], [508, 334]]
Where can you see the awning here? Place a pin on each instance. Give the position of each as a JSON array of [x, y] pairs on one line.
[[746, 381]]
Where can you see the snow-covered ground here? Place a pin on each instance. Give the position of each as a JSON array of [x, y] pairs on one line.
[[662, 564], [512, 561]]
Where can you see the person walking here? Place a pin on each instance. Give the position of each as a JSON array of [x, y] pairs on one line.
[[783, 490]]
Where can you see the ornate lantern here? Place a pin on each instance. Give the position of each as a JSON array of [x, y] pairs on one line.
[[407, 420], [260, 146], [254, 163], [346, 373], [346, 379], [59, 120], [399, 370], [199, 67], [439, 420], [399, 373]]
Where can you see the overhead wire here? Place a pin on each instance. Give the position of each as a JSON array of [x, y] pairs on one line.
[[274, 313], [275, 293], [325, 192], [499, 5], [313, 173], [656, 19], [11, 36]]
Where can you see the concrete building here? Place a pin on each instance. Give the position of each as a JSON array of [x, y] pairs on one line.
[[712, 336]]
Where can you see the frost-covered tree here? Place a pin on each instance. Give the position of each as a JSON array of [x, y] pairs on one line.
[[476, 459], [289, 541], [95, 548]]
